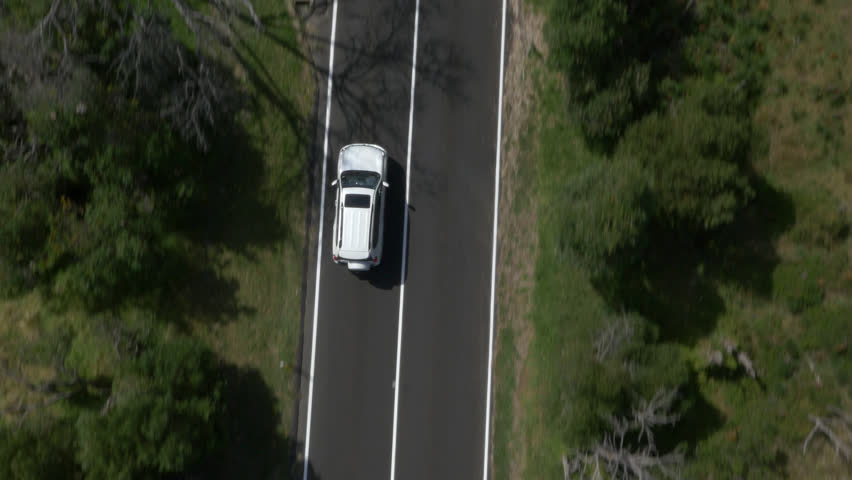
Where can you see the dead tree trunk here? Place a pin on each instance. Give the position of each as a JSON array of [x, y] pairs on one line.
[[628, 450]]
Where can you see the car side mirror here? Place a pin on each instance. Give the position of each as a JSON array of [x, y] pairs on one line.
[[386, 184], [334, 182]]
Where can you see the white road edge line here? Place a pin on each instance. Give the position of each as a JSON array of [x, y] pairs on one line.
[[319, 240], [494, 245], [404, 242]]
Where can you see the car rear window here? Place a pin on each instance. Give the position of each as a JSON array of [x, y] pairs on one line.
[[357, 201]]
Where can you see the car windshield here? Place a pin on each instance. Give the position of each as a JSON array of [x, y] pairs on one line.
[[359, 179]]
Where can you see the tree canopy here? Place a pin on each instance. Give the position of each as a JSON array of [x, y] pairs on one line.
[[163, 416]]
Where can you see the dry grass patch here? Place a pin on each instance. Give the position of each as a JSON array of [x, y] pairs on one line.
[[517, 238]]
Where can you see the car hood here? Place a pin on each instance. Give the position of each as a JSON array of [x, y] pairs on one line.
[[362, 157]]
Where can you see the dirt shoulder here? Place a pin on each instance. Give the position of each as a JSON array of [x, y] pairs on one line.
[[517, 239]]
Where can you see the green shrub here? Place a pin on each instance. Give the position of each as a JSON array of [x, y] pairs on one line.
[[606, 113], [695, 154], [659, 365], [611, 51], [167, 415], [37, 454], [603, 217]]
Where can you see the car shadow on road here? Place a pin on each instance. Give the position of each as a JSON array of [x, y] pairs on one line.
[[389, 273]]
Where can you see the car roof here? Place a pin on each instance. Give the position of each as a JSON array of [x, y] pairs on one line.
[[355, 225], [363, 157]]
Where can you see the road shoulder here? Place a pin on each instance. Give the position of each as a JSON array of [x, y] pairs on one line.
[[517, 238]]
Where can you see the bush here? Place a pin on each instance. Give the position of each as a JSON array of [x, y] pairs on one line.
[[695, 154], [612, 52], [35, 455], [167, 415], [606, 113], [603, 218]]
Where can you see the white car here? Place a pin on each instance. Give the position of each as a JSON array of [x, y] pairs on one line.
[[359, 206]]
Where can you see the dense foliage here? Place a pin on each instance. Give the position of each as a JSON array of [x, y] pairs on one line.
[[103, 141], [696, 151], [36, 455], [163, 412], [164, 418], [606, 204], [121, 137]]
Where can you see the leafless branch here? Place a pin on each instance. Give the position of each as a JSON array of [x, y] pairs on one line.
[[620, 455], [836, 428], [613, 336], [202, 23], [655, 412], [193, 104], [64, 386], [60, 12], [813, 370], [107, 405], [148, 56]]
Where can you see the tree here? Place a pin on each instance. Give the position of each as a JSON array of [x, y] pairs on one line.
[[695, 153], [91, 177], [37, 455], [164, 414], [628, 450], [602, 213], [836, 426], [613, 52]]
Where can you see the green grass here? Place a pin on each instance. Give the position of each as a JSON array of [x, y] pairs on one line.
[[267, 273], [503, 415], [565, 306]]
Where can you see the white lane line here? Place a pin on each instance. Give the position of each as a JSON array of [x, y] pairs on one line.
[[319, 239], [404, 242], [494, 246]]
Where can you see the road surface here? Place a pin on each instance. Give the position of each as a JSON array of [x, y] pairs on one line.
[[352, 423]]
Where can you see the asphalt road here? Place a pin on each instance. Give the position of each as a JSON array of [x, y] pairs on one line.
[[444, 347]]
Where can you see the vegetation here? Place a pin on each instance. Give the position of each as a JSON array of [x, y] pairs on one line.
[[693, 237], [151, 161]]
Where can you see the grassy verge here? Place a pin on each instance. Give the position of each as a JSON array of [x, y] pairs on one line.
[[517, 241], [566, 309], [267, 274], [262, 334], [776, 282]]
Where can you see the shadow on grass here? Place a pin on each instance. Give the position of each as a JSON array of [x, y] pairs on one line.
[[675, 286], [254, 447], [699, 420], [744, 253]]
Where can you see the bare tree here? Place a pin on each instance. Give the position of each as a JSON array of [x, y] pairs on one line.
[[610, 340], [147, 58], [628, 450], [836, 426], [151, 63]]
